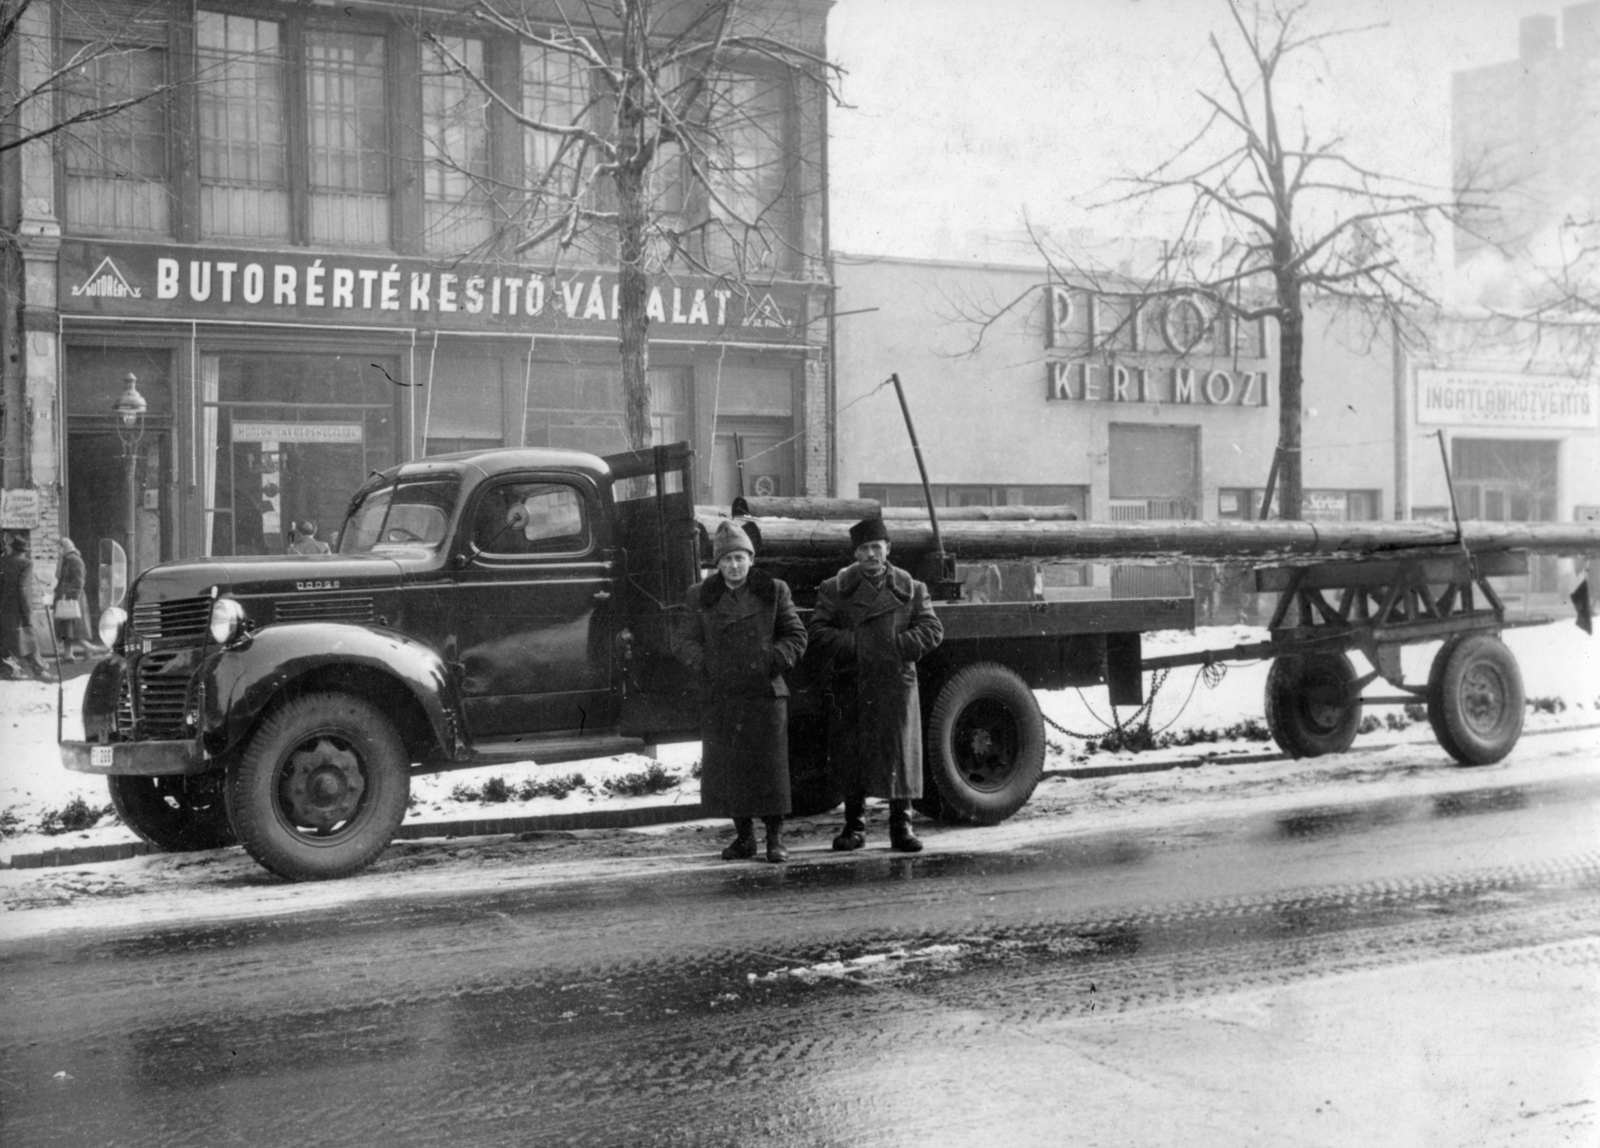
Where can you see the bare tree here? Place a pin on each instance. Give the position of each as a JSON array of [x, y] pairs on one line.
[[1273, 218], [671, 153]]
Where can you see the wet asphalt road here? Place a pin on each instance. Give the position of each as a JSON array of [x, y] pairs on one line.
[[867, 1002]]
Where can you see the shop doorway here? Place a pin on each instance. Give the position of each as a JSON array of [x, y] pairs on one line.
[[754, 458], [1507, 480], [1155, 474], [97, 508]]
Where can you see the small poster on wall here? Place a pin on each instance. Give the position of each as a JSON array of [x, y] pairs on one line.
[[19, 510]]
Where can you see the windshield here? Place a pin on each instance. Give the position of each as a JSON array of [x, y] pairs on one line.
[[404, 516]]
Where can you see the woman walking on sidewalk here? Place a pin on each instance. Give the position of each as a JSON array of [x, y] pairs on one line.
[[740, 636], [71, 606]]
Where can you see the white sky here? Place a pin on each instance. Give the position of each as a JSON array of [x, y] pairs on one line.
[[967, 113]]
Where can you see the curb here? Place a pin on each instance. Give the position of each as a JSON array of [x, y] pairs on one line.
[[646, 815]]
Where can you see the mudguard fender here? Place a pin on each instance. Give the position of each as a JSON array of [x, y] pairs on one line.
[[243, 680]]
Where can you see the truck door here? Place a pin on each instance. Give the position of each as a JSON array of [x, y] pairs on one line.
[[532, 610]]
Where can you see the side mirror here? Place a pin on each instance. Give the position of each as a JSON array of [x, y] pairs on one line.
[[113, 582]]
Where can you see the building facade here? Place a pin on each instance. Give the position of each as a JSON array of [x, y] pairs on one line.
[[307, 247], [1525, 128], [1031, 392]]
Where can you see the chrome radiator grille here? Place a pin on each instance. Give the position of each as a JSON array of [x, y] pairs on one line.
[[306, 609], [182, 622]]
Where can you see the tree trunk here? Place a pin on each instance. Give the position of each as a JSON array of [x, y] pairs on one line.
[[1291, 379], [633, 281]]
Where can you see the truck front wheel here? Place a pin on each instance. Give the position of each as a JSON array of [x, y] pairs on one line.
[[984, 745], [175, 814], [1310, 709], [321, 788]]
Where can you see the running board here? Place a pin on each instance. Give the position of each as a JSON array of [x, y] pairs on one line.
[[541, 749]]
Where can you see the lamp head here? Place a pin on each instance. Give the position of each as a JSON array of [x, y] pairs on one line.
[[130, 405]]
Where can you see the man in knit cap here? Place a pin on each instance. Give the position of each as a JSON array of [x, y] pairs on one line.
[[739, 637], [873, 622]]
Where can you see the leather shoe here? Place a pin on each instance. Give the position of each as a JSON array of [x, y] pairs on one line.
[[776, 853], [849, 839], [741, 849], [902, 839]]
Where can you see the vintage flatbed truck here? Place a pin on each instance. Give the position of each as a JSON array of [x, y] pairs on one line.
[[502, 606]]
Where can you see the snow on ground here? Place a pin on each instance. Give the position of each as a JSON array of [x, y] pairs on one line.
[[1558, 662]]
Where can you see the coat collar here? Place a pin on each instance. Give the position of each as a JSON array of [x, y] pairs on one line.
[[853, 583], [763, 590]]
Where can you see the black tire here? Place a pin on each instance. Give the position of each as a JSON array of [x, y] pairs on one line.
[[176, 814], [811, 788], [1309, 706], [984, 746], [321, 787], [1475, 699]]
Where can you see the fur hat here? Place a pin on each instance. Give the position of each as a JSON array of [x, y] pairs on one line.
[[868, 530], [728, 539]]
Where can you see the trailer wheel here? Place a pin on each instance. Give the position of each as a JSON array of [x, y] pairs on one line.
[[1310, 710], [321, 788], [984, 745], [1475, 699], [176, 814]]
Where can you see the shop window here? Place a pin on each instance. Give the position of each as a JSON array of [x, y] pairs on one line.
[[579, 407], [1504, 480], [455, 139], [1321, 505], [347, 130], [464, 403], [116, 165], [244, 149], [289, 438]]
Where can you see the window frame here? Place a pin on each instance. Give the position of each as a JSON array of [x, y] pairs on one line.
[[588, 504]]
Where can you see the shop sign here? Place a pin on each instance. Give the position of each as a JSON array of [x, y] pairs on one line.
[[1506, 399], [1086, 381], [19, 510], [298, 432], [1325, 506], [1179, 349], [166, 281]]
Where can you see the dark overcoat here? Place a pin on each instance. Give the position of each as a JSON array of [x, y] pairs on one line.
[[739, 643], [70, 579], [873, 637], [16, 607]]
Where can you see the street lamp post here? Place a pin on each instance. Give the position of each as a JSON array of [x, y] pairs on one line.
[[129, 408]]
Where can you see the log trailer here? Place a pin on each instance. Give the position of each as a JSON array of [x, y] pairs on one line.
[[509, 605]]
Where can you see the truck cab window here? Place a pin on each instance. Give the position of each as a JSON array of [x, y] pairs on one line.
[[531, 518], [411, 514]]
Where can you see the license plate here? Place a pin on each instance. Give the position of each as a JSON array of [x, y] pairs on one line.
[[100, 755]]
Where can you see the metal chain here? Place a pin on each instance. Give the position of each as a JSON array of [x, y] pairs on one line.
[[1156, 682]]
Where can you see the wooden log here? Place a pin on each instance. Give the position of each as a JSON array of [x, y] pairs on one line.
[[852, 510], [1178, 541]]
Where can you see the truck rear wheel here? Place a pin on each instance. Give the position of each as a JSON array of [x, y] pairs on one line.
[[1310, 709], [321, 787], [1475, 699], [984, 745], [176, 814]]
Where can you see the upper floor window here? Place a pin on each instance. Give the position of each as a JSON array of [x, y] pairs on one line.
[[116, 165], [244, 150], [347, 137], [457, 207], [555, 91], [747, 175]]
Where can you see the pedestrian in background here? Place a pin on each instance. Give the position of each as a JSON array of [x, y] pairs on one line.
[[872, 624], [71, 605], [305, 539], [18, 646], [739, 637]]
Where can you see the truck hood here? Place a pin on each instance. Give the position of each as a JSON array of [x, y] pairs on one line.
[[275, 573]]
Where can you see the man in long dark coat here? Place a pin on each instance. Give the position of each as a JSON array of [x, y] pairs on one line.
[[872, 624], [17, 642], [740, 636]]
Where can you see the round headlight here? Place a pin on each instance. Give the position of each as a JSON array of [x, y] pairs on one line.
[[227, 617], [111, 622]]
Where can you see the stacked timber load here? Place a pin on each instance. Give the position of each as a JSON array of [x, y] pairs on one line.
[[799, 533]]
